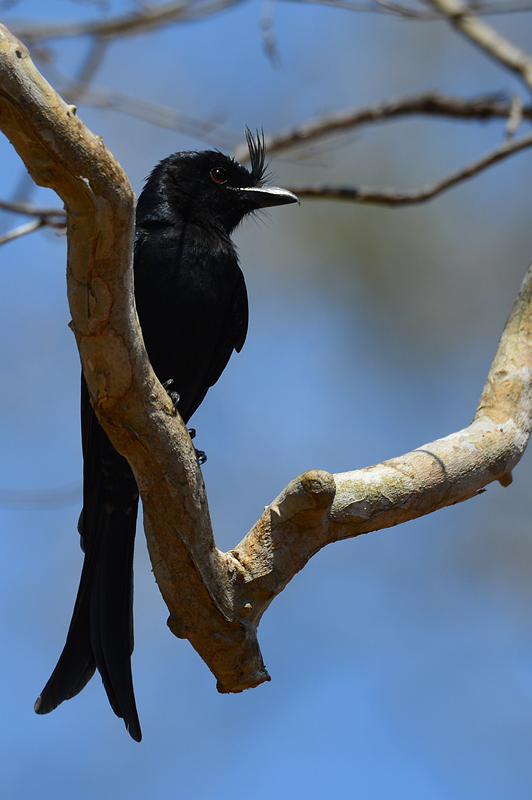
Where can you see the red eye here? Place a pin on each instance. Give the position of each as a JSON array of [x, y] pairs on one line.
[[219, 175]]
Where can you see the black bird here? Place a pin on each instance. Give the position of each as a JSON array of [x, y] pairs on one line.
[[192, 305]]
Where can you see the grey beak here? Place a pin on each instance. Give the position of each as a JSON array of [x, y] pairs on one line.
[[266, 196]]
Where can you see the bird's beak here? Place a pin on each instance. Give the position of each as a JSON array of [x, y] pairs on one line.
[[266, 196]]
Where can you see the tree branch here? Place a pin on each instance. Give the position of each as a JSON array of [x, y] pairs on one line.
[[44, 218], [21, 230], [398, 10], [30, 227], [164, 117], [145, 19], [216, 599], [33, 211], [394, 197], [485, 107]]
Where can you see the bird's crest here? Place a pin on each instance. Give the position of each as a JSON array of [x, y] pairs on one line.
[[257, 155]]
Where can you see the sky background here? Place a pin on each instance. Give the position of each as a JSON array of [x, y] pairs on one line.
[[401, 661]]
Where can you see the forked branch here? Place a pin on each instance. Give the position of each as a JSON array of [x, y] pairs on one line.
[[216, 599]]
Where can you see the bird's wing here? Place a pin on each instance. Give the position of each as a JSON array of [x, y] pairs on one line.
[[233, 330]]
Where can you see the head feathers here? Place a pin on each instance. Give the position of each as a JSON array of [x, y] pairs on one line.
[[257, 155]]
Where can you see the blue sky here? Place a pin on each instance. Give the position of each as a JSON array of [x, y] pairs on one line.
[[401, 661]]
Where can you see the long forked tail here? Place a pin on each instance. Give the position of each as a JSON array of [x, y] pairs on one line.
[[101, 631]]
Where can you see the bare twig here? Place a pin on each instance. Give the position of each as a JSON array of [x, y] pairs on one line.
[[487, 38], [485, 107], [145, 19], [515, 117], [407, 12], [33, 211], [77, 91], [208, 130], [22, 230], [395, 197], [269, 41], [150, 17]]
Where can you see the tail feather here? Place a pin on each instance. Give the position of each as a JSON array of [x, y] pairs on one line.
[[101, 631], [76, 663], [111, 629]]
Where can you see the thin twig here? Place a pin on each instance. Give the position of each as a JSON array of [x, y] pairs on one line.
[[208, 130], [484, 107], [269, 40], [398, 10], [33, 211], [515, 117], [144, 20], [22, 230], [151, 17], [394, 197]]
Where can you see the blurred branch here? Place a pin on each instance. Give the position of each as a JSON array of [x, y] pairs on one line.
[[33, 211], [22, 230], [484, 107], [407, 12], [395, 197], [45, 218], [434, 104], [149, 17], [144, 19], [157, 115], [216, 599], [487, 38], [515, 117], [269, 41]]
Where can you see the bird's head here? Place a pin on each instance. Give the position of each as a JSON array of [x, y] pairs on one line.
[[210, 188]]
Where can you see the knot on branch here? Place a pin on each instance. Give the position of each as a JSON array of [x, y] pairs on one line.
[[312, 491]]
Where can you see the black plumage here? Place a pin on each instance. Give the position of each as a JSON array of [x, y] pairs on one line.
[[192, 305]]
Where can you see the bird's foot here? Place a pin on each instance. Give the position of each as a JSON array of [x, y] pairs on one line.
[[175, 397], [201, 455]]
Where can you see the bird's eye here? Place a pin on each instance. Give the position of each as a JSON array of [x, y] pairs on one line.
[[219, 175]]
